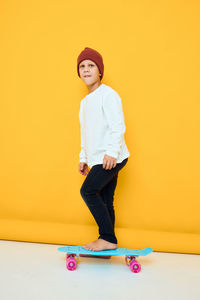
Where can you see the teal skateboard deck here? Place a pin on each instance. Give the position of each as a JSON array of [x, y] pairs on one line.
[[73, 253]]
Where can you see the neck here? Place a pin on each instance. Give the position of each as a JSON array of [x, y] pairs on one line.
[[94, 86]]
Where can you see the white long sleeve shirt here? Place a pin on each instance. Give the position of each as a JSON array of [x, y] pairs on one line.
[[102, 126]]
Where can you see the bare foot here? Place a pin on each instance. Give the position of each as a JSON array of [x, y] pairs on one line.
[[99, 245]]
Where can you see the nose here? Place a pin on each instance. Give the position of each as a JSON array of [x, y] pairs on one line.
[[86, 73]]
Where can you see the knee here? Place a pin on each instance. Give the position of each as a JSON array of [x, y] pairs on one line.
[[84, 195], [82, 191], [86, 191]]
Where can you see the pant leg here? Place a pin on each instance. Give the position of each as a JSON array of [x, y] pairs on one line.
[[96, 180], [107, 194]]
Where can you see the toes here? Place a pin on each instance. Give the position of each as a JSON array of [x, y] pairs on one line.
[[91, 247], [95, 249], [86, 247]]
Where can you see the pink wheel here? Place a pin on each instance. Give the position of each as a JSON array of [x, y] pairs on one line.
[[71, 263], [135, 266]]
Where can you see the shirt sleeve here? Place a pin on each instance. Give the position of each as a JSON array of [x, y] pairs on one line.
[[113, 110], [82, 154]]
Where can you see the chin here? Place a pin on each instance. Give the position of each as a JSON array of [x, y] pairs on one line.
[[89, 82]]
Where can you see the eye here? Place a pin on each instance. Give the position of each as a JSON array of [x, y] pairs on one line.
[[89, 65]]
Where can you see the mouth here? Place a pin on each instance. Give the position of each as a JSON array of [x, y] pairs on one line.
[[87, 76]]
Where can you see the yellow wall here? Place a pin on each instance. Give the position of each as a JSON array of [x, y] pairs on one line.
[[151, 56]]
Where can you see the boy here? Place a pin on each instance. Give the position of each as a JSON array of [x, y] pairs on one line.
[[103, 147]]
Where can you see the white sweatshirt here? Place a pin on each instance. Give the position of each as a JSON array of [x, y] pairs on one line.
[[102, 126]]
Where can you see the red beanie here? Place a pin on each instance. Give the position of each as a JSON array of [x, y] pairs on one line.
[[89, 53]]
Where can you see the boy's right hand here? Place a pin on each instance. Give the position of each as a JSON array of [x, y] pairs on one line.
[[83, 168]]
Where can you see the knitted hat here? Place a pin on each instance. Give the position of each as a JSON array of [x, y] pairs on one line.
[[89, 53]]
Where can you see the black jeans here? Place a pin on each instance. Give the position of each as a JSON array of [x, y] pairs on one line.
[[98, 193]]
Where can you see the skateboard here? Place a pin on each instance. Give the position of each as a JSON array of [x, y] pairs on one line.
[[73, 253]]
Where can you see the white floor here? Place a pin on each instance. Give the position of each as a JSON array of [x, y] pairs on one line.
[[38, 271]]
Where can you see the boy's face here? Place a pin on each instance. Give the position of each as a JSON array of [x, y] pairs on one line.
[[89, 71]]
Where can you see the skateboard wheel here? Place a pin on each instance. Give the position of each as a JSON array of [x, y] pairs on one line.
[[71, 263], [135, 266]]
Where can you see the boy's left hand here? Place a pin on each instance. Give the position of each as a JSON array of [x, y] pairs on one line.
[[109, 162]]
